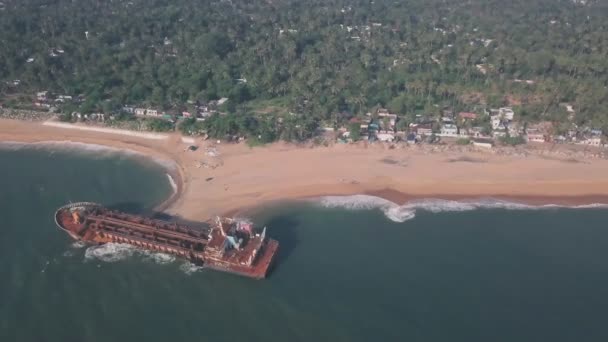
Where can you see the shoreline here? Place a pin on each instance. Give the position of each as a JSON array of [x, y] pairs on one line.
[[403, 199], [132, 149], [243, 179], [170, 167]]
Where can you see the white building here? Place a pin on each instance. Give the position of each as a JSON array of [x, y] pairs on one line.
[[386, 137], [449, 130], [152, 112], [507, 113], [515, 129], [41, 96], [499, 133], [534, 135], [392, 118], [496, 122], [595, 141], [140, 111]]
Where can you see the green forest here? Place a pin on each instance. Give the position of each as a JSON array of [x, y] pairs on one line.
[[318, 59]]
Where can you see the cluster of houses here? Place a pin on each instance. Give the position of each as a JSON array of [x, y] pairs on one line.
[[49, 101], [481, 129], [200, 111], [45, 99]]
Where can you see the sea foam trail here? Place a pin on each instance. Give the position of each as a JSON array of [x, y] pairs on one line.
[[402, 213], [113, 252], [172, 182]]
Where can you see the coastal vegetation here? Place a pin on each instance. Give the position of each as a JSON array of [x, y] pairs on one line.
[[289, 67]]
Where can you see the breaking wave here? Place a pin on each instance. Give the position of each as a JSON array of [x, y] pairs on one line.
[[407, 211], [189, 268], [172, 182], [110, 252], [113, 252], [78, 244]]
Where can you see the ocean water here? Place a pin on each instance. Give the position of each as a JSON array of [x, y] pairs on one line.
[[349, 269]]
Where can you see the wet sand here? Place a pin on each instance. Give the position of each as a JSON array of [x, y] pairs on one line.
[[242, 177]]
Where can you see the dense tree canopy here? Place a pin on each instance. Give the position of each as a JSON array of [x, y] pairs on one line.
[[317, 57]]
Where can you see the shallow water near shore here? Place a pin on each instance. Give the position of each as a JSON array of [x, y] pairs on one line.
[[345, 273]]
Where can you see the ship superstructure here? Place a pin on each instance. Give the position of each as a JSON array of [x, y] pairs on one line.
[[228, 245]]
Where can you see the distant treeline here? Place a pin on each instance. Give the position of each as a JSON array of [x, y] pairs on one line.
[[314, 58]]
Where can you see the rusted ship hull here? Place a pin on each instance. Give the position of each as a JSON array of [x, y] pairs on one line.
[[215, 248]]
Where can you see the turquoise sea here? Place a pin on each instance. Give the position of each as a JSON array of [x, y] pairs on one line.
[[347, 271]]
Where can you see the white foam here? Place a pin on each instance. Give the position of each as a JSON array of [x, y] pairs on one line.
[[113, 252], [355, 202], [109, 252], [365, 202], [78, 244], [172, 182], [402, 213], [399, 213], [159, 258], [189, 268]]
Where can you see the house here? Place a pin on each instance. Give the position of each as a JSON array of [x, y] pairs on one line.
[[483, 143], [422, 129], [449, 130], [128, 109], [560, 139], [447, 120], [63, 98], [153, 112], [382, 111], [474, 132], [467, 115], [392, 118], [499, 133], [140, 111], [535, 135], [187, 114], [495, 121], [206, 113], [385, 137], [448, 114], [515, 129], [41, 96], [596, 132], [42, 104], [506, 113], [539, 132], [222, 101], [593, 141]]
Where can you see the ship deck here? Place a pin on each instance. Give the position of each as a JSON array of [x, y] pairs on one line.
[[258, 270]]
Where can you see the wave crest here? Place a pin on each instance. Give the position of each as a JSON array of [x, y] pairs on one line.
[[402, 213]]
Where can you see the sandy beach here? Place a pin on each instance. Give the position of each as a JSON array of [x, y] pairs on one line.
[[221, 178]]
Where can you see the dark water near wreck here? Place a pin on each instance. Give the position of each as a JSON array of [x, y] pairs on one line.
[[483, 275]]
